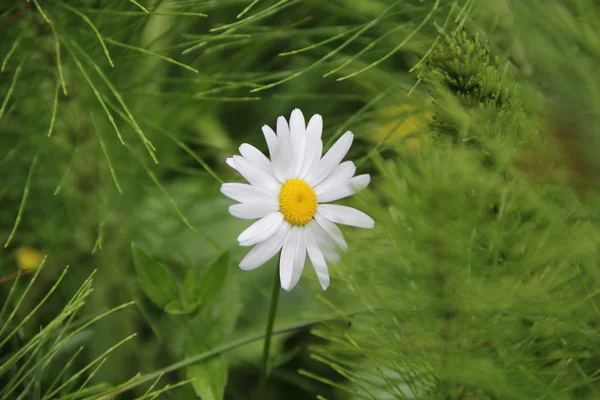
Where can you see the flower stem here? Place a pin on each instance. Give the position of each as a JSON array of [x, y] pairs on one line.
[[13, 275], [264, 373]]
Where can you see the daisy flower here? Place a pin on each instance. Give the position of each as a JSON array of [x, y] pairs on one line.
[[289, 195]]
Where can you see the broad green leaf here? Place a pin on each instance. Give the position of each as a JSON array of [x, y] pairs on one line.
[[190, 287], [155, 278], [210, 378], [212, 280]]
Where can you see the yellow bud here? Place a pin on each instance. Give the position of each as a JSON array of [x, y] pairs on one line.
[[391, 129], [29, 259]]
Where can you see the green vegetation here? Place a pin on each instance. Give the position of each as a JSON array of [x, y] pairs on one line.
[[477, 120]]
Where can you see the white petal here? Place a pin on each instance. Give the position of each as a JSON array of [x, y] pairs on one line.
[[261, 230], [256, 175], [283, 129], [299, 257], [264, 251], [345, 215], [245, 193], [332, 230], [340, 175], [297, 139], [252, 210], [360, 182], [316, 256], [331, 160], [255, 156], [230, 162], [284, 167], [288, 253], [328, 246], [331, 255], [271, 140], [314, 144], [346, 189]]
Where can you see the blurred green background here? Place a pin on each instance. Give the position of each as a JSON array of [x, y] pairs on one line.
[[476, 120]]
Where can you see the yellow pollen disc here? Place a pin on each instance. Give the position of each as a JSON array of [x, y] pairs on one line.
[[297, 202]]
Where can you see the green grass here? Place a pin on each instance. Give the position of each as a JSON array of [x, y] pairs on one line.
[[480, 279]]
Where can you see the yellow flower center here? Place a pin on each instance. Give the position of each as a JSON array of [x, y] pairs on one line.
[[297, 202]]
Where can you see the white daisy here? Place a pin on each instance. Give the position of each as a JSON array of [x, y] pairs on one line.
[[289, 194]]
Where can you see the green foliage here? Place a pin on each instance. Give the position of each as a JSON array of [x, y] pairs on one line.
[[21, 371], [468, 85], [210, 378], [200, 292], [490, 290], [479, 281], [155, 279]]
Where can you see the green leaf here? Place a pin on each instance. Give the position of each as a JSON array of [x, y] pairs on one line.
[[210, 378], [212, 280], [155, 278], [176, 308], [190, 287]]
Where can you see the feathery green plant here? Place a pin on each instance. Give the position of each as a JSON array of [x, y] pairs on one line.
[[479, 281], [487, 279]]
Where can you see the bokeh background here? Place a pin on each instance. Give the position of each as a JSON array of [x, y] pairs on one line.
[[477, 120]]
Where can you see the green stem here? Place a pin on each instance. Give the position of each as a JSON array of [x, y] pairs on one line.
[[264, 372], [236, 344]]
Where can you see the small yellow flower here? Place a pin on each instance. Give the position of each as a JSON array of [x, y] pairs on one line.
[[29, 259], [411, 124]]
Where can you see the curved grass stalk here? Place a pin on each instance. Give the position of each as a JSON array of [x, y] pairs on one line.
[[91, 375], [157, 393], [248, 8], [86, 19], [319, 44], [105, 151], [10, 89], [151, 53], [363, 29], [56, 47], [64, 369], [98, 96], [282, 4], [54, 108], [148, 13], [90, 365], [364, 50], [235, 344], [11, 51], [398, 47], [31, 313], [66, 174], [149, 146], [187, 149], [138, 5], [23, 201], [59, 65]]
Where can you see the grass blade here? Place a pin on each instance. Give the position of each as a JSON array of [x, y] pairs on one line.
[[54, 107], [91, 25], [10, 89], [398, 47], [186, 148], [11, 51], [105, 151], [151, 53], [363, 29], [23, 199]]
